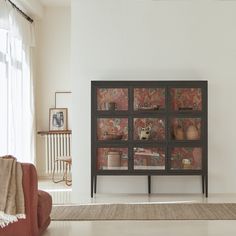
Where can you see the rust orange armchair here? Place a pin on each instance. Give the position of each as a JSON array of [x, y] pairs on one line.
[[38, 205]]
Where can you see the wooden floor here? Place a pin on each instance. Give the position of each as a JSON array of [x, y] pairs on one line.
[[142, 228], [62, 195]]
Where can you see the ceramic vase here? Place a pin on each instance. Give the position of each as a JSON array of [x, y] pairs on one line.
[[192, 133], [178, 133]]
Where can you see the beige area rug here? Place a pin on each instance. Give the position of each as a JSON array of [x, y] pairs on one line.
[[147, 211]]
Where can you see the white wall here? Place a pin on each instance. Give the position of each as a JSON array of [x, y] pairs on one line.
[[31, 7], [53, 68], [161, 40]]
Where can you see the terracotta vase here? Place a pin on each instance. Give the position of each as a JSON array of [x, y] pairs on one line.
[[192, 133], [178, 133]]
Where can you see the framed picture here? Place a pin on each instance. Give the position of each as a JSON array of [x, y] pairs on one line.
[[57, 119]]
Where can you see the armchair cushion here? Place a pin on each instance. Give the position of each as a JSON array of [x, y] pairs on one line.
[[44, 207]]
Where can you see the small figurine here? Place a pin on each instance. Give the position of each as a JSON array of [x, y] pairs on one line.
[[145, 133], [186, 164]]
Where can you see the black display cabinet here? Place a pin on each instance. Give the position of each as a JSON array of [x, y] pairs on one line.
[[149, 128]]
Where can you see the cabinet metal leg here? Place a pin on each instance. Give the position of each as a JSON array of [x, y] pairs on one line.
[[203, 184], [206, 182], [149, 184], [91, 186], [95, 184]]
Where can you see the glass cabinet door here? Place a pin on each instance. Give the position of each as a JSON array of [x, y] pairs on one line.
[[112, 129], [149, 129], [112, 158], [149, 99], [186, 158], [149, 158], [112, 99], [185, 129], [186, 99]]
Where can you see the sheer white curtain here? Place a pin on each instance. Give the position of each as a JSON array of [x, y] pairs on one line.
[[17, 127]]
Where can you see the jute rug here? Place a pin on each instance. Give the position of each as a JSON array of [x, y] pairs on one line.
[[186, 211]]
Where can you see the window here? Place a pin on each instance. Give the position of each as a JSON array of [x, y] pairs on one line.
[[16, 99]]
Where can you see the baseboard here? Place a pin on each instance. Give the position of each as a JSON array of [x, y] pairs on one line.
[[44, 177]]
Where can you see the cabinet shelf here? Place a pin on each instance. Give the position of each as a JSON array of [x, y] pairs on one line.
[[187, 143], [112, 114], [148, 143], [112, 142], [184, 172], [186, 114], [162, 126], [127, 113], [151, 112]]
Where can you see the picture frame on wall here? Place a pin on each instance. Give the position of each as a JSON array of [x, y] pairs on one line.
[[58, 119]]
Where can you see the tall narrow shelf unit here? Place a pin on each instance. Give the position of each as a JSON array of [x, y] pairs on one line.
[[149, 128]]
